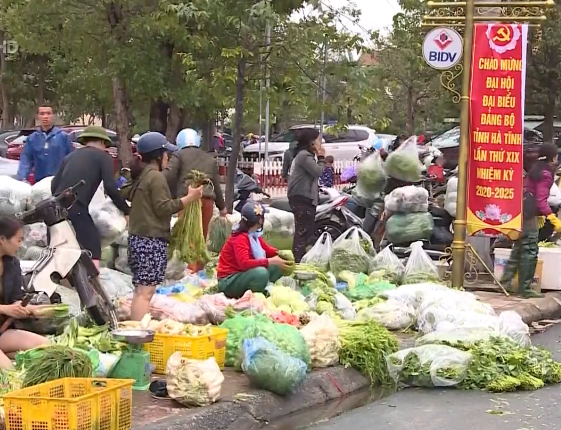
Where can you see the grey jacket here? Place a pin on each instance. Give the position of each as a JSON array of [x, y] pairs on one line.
[[304, 174]]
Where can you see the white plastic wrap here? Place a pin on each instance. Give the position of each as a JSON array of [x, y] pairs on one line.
[[511, 324], [409, 199], [457, 335], [344, 307], [554, 196], [14, 196], [322, 337], [391, 314], [175, 269], [414, 294], [116, 284], [110, 222], [452, 300], [420, 267], [436, 318], [438, 357], [41, 191], [451, 197], [98, 199], [281, 222]]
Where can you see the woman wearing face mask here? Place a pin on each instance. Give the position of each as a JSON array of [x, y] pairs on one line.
[[11, 294], [246, 261], [149, 221]]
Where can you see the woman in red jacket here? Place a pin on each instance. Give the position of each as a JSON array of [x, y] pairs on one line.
[[246, 261]]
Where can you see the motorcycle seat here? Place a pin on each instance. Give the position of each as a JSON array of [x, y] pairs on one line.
[[283, 205]]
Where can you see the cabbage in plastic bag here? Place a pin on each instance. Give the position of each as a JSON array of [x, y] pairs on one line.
[[429, 366], [320, 253], [269, 368], [404, 164], [410, 199], [371, 177], [110, 222], [349, 253], [40, 191], [420, 268], [409, 227], [14, 196]]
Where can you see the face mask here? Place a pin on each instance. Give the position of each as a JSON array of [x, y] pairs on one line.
[[257, 233]]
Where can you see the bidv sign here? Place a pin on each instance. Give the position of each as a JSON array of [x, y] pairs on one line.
[[442, 48]]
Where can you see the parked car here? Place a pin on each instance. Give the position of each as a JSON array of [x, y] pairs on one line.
[[449, 144], [343, 146]]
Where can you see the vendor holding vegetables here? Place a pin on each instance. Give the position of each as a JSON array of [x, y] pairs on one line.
[[524, 256], [11, 294], [246, 261], [150, 215]]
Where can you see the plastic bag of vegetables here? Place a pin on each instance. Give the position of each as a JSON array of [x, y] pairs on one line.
[[410, 199], [219, 230], [457, 335], [110, 222], [387, 261], [322, 337], [193, 382], [420, 268], [360, 287], [319, 255], [371, 177], [413, 294], [429, 366], [14, 195], [391, 314], [40, 191], [269, 368], [404, 228], [349, 254], [404, 164]]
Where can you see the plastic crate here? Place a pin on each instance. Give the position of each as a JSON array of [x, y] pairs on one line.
[[71, 404], [196, 347]]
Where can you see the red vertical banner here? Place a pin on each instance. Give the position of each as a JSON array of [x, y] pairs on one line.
[[495, 168]]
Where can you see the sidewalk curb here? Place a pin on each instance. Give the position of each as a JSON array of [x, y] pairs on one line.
[[320, 387]]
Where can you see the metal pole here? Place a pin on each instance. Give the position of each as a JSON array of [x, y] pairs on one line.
[[260, 112], [459, 243], [267, 85], [323, 94]]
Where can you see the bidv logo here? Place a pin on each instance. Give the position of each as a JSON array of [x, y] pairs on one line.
[[442, 48], [9, 47]]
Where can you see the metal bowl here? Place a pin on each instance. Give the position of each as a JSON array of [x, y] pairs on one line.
[[305, 276], [133, 336]]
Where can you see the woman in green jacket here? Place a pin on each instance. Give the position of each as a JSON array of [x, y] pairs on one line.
[[150, 216]]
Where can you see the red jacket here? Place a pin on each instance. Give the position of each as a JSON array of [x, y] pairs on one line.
[[236, 256]]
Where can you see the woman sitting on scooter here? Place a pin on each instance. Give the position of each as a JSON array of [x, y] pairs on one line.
[[246, 261], [11, 294]]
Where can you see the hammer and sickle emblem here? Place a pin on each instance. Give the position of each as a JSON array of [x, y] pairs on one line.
[[503, 35]]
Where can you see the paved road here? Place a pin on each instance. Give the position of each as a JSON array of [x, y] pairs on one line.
[[414, 409]]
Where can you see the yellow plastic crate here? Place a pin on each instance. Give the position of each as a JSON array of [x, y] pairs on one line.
[[71, 404], [196, 347]]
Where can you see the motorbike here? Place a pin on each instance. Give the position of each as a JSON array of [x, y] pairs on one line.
[[65, 259], [244, 186]]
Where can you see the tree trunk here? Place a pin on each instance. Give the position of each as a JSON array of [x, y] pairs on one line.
[[185, 117], [174, 122], [237, 133], [549, 117], [4, 88], [158, 116], [103, 118], [410, 120], [120, 100]]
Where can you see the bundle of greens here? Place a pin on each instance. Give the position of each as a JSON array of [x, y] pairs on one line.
[[219, 231], [187, 233], [371, 177], [287, 256], [364, 346], [49, 363], [387, 265], [349, 254]]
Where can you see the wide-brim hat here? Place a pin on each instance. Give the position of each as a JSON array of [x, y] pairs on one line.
[[94, 132]]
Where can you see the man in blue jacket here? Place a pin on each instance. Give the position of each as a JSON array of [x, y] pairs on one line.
[[45, 149]]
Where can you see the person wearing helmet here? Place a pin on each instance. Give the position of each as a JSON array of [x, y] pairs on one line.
[[246, 261], [152, 207], [94, 166], [190, 157]]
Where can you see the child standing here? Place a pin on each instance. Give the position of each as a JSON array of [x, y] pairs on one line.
[[327, 178]]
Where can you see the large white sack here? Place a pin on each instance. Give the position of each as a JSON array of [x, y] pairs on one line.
[[14, 195]]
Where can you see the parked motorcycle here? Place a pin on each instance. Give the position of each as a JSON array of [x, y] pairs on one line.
[[65, 259]]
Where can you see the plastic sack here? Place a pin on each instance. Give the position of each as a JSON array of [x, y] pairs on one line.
[[451, 197], [193, 382], [322, 337], [33, 253], [110, 222], [405, 228], [457, 336], [219, 230], [14, 196], [371, 177], [413, 294], [437, 318], [269, 368], [106, 364], [287, 281], [116, 284], [122, 261], [404, 164], [40, 191], [388, 262], [348, 174], [554, 198], [420, 268], [344, 307], [429, 366], [123, 240], [511, 324], [410, 199], [175, 269], [454, 300], [319, 255], [349, 254], [391, 314], [236, 327], [35, 234]]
